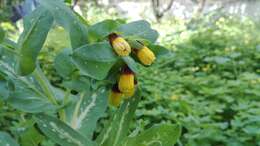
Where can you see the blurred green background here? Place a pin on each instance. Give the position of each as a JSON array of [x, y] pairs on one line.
[[209, 83]]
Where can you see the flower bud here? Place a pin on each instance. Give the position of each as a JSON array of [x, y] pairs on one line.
[[145, 55], [115, 96], [126, 80], [119, 44]]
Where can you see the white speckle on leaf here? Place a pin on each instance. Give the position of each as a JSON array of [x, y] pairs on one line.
[[106, 135], [85, 112], [121, 124], [65, 135]]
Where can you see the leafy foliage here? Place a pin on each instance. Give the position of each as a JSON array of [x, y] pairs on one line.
[[210, 84], [157, 135], [6, 139], [67, 113]]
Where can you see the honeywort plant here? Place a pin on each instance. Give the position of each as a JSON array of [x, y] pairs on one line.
[[101, 67]]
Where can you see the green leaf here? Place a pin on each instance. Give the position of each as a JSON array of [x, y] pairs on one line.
[[4, 92], [36, 27], [7, 140], [31, 136], [140, 29], [80, 84], [68, 2], [60, 132], [95, 60], [158, 50], [160, 135], [116, 130], [135, 43], [2, 35], [28, 101], [102, 29], [67, 19], [131, 63], [23, 92], [63, 63], [92, 108]]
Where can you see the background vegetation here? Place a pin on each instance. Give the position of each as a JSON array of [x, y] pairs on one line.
[[210, 85]]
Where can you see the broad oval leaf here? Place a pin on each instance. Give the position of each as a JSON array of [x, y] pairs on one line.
[[36, 28], [95, 60], [63, 63], [160, 135], [102, 29], [60, 132], [140, 29], [27, 101], [79, 84], [7, 140]]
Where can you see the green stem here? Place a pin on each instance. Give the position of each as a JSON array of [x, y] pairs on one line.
[[66, 97], [62, 115], [65, 100], [76, 112], [45, 85]]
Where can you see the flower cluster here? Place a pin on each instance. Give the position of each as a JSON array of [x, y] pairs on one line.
[[126, 84]]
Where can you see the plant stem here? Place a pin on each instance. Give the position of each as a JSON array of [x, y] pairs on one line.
[[45, 85], [65, 100], [62, 115], [76, 112]]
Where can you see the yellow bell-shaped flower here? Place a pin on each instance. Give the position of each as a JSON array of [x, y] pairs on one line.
[[130, 93], [126, 81], [120, 45], [115, 96], [145, 55]]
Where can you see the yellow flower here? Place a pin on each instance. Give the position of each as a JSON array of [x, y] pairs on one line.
[[130, 93], [120, 45], [145, 55], [115, 97], [126, 81]]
